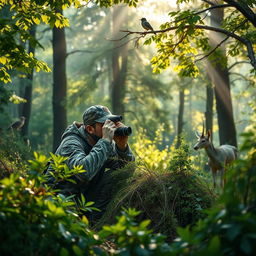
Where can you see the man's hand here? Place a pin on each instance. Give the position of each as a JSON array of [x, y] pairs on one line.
[[108, 130], [121, 141]]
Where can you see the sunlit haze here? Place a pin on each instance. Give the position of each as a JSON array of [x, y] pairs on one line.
[[156, 11]]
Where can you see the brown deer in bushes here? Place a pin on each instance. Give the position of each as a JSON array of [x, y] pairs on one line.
[[219, 157]]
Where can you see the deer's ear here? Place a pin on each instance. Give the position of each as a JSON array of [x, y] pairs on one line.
[[209, 135], [197, 134]]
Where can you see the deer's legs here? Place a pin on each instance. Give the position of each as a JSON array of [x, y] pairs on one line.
[[222, 178], [214, 178]]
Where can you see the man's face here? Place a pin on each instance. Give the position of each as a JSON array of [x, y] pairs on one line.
[[95, 130], [98, 129]]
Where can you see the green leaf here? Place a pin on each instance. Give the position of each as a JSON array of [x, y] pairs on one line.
[[246, 246], [77, 250], [214, 246], [184, 233], [233, 231], [64, 252]]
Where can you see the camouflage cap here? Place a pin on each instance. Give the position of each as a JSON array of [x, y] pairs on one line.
[[96, 113]]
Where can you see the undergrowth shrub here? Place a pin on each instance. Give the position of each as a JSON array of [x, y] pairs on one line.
[[132, 238], [168, 197], [230, 227], [148, 152], [34, 220]]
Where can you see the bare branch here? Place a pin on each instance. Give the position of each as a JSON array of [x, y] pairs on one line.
[[210, 52], [244, 41], [42, 32], [211, 8], [238, 62], [242, 76], [209, 2], [76, 51], [128, 33], [121, 45], [220, 43]]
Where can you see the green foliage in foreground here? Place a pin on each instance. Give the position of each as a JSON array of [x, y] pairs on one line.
[[35, 221], [230, 228]]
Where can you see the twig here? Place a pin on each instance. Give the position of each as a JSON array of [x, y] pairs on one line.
[[205, 10], [121, 45], [238, 62], [210, 52], [240, 75], [75, 51], [217, 46], [129, 33], [209, 2]]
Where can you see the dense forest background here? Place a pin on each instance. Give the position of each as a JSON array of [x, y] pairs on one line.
[[95, 66], [195, 71]]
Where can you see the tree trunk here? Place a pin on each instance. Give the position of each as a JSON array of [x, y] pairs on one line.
[[180, 116], [119, 64], [59, 85], [220, 78], [209, 108], [26, 107]]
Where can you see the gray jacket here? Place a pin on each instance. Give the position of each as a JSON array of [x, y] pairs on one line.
[[95, 160]]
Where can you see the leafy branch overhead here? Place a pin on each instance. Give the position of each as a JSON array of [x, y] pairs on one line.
[[185, 37], [17, 20]]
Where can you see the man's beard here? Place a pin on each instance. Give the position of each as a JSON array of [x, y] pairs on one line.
[[94, 137]]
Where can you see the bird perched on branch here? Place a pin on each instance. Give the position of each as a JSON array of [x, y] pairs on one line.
[[18, 124], [145, 24]]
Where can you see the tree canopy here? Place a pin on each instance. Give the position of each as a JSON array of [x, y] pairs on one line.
[[17, 18], [185, 38]]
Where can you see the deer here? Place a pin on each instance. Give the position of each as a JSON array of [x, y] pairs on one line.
[[219, 157]]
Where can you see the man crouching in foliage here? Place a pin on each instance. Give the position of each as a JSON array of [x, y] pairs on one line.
[[95, 146]]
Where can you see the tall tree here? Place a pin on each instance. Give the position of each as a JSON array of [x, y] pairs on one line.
[[23, 16], [119, 63], [26, 107], [209, 107], [180, 115], [59, 84], [219, 75]]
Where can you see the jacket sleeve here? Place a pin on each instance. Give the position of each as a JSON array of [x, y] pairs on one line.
[[119, 158], [126, 155], [91, 162]]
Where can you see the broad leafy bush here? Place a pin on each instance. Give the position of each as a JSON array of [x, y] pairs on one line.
[[148, 153], [131, 238], [34, 221]]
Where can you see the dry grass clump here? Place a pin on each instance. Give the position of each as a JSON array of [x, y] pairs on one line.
[[170, 199]]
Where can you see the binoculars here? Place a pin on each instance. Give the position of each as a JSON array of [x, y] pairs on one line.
[[121, 131]]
